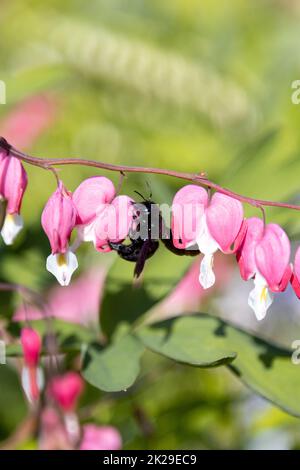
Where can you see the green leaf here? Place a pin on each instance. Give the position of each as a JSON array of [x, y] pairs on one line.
[[161, 274], [114, 368], [201, 340], [178, 340], [13, 408]]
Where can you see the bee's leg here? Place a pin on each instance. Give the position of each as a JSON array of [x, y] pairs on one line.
[[168, 242], [128, 252]]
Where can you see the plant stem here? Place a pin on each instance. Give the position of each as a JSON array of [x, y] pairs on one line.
[[197, 178]]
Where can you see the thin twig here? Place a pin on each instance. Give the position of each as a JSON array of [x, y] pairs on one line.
[[197, 178]]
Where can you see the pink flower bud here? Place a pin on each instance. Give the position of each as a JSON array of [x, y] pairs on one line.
[[66, 390], [59, 218], [100, 438], [90, 195], [32, 376], [13, 183], [58, 221], [31, 345]]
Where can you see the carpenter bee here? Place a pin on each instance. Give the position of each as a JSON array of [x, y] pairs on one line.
[[147, 229]]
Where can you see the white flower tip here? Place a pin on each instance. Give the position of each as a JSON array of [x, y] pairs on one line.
[[72, 426], [86, 233], [207, 276], [32, 382], [13, 224], [62, 266], [260, 299]]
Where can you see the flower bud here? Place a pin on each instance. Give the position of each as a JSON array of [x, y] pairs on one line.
[[66, 390], [32, 375], [58, 221], [13, 183], [31, 345]]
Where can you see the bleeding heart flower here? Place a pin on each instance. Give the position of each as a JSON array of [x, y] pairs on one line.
[[295, 280], [58, 221], [100, 438], [222, 228], [113, 223], [213, 225], [52, 432], [90, 199], [264, 255], [13, 183], [188, 207], [32, 376], [66, 390]]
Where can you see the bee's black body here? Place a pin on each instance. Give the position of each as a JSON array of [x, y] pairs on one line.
[[144, 245]]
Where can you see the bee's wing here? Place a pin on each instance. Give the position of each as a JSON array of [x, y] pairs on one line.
[[143, 255]]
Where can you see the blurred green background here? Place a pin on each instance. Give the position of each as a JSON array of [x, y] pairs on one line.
[[186, 85]]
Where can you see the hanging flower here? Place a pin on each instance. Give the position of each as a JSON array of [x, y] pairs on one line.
[[32, 376], [264, 256], [58, 221], [65, 390], [13, 183], [212, 225]]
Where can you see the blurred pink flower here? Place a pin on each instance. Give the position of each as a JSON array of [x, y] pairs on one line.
[[188, 295], [77, 303], [28, 120], [66, 390], [100, 438], [31, 345], [32, 375], [52, 435]]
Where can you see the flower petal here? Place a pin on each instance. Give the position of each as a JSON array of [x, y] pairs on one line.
[[204, 240], [272, 255], [62, 266], [13, 224], [260, 298], [207, 276], [295, 280], [224, 218], [188, 208], [246, 252], [32, 382], [90, 194]]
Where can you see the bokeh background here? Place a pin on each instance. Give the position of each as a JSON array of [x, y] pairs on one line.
[[186, 85]]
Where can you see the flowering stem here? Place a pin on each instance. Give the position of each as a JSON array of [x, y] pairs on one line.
[[197, 178]]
